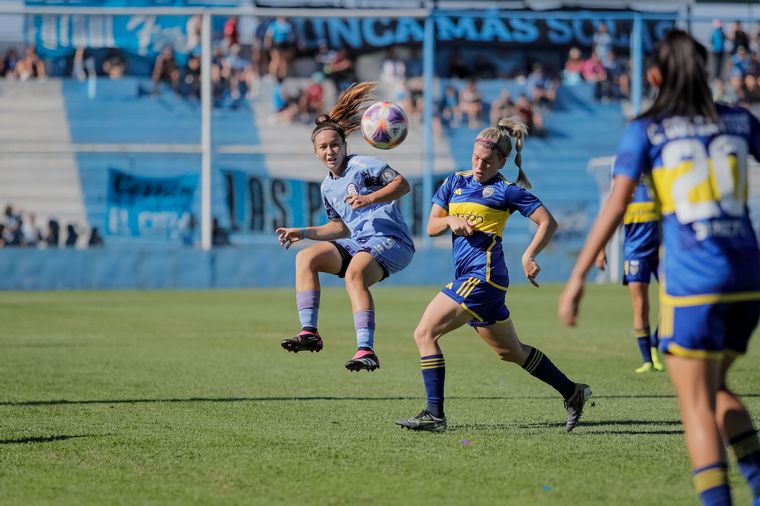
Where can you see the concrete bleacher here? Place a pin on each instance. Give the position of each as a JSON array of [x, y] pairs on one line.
[[44, 183]]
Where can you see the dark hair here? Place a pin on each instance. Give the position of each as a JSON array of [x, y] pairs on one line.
[[346, 115], [684, 90], [499, 138]]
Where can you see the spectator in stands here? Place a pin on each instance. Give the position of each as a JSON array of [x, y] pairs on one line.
[[324, 56], [721, 92], [312, 100], [193, 76], [114, 65], [284, 103], [530, 115], [71, 236], [602, 42], [501, 107], [739, 37], [31, 233], [471, 104], [449, 107], [341, 70], [95, 240], [31, 66], [10, 61], [53, 237], [573, 71], [280, 41], [234, 70], [617, 83], [593, 72], [740, 67], [392, 74], [231, 34], [541, 88], [165, 69], [10, 218], [2, 235], [717, 48], [83, 65], [194, 26]]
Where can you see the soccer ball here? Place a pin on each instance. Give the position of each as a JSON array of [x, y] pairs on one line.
[[384, 125]]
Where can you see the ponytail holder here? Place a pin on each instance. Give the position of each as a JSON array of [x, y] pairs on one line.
[[491, 144]]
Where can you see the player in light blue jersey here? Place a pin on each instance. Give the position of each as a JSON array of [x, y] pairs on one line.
[[365, 239], [641, 243], [696, 154], [475, 205]]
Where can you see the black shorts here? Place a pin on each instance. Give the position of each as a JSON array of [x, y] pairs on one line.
[[346, 257]]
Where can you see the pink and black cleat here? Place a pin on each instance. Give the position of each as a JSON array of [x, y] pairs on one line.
[[304, 341], [364, 360]]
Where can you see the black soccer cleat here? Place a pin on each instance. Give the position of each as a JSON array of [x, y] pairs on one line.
[[363, 360], [424, 421], [304, 341], [575, 405]]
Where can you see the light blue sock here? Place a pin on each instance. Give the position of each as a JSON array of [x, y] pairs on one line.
[[364, 322], [307, 302]]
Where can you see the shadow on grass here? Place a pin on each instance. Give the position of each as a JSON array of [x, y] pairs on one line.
[[56, 402], [596, 428], [42, 439]]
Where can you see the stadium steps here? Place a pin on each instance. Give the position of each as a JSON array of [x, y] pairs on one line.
[[42, 183]]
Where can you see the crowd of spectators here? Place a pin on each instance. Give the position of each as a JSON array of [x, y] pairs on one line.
[[735, 63], [18, 229], [30, 66]]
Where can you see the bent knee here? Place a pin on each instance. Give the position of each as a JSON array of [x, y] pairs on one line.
[[423, 335]]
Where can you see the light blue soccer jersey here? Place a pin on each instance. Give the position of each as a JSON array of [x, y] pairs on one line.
[[487, 206], [364, 175], [699, 174]]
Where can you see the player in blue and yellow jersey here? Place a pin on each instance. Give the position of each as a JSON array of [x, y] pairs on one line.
[[641, 243], [475, 205], [696, 154], [365, 239]]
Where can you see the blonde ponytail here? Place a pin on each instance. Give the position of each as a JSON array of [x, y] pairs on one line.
[[500, 138]]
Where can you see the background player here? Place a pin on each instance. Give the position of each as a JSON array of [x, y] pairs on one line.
[[696, 153], [641, 243], [475, 206], [359, 195]]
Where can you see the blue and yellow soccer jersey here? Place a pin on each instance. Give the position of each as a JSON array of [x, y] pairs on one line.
[[487, 207], [641, 225], [364, 175], [698, 171]]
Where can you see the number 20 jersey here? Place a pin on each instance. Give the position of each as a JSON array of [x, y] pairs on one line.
[[699, 173]]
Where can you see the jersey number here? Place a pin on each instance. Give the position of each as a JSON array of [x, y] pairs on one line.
[[696, 196]]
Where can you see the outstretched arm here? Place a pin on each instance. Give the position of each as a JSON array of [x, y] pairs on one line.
[[604, 226], [395, 189], [547, 225], [333, 229]]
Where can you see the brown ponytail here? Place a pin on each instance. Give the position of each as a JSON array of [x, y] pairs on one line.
[[345, 116], [500, 138]]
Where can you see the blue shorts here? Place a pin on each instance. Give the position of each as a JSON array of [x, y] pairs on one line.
[[392, 255], [708, 331], [486, 303], [636, 270]]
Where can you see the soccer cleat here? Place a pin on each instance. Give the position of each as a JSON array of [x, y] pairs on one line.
[[304, 341], [424, 421], [363, 360], [657, 360], [645, 367], [575, 405]]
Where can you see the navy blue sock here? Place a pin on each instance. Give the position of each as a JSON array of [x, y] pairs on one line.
[[747, 450], [654, 340], [539, 366], [711, 483], [642, 338], [434, 376]]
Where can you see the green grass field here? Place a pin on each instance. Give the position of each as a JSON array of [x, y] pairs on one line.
[[187, 398]]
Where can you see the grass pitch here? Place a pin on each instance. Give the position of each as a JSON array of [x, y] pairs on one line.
[[187, 398]]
